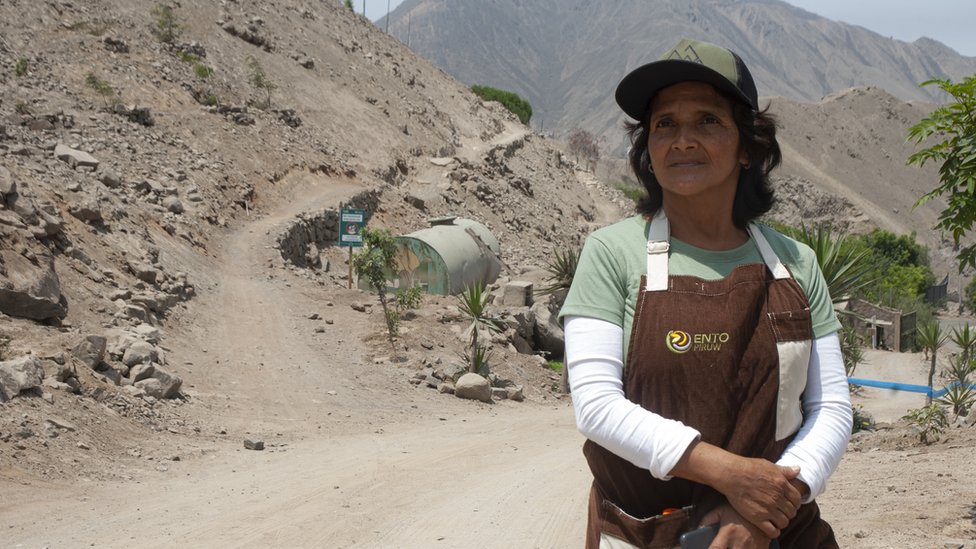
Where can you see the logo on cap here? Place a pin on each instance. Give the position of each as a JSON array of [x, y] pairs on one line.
[[689, 55]]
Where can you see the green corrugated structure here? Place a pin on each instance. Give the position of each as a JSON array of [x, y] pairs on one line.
[[452, 253]]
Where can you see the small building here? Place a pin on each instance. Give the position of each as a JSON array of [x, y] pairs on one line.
[[448, 256], [883, 327]]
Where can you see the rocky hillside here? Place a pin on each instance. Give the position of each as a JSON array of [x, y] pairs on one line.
[[134, 134]]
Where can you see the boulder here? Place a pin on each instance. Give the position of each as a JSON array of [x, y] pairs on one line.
[[517, 293], [548, 335], [7, 184], [169, 383], [91, 351], [140, 352], [140, 372], [30, 288], [473, 387], [19, 375]]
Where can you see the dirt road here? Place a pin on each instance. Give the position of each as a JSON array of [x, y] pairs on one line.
[[357, 457]]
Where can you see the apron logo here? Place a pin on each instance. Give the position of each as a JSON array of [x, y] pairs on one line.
[[681, 342], [678, 341]]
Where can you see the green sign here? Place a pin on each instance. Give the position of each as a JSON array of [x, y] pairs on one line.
[[351, 221]]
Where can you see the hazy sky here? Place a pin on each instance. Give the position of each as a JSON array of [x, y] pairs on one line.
[[948, 21]]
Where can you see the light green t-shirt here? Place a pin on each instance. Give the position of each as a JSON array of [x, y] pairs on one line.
[[614, 258]]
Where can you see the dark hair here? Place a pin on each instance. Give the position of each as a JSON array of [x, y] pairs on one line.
[[753, 195]]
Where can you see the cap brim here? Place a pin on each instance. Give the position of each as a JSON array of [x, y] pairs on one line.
[[635, 91]]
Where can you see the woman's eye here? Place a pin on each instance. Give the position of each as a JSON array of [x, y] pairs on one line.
[[663, 123], [710, 120]]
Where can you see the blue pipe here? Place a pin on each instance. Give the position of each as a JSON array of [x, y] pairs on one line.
[[902, 386]]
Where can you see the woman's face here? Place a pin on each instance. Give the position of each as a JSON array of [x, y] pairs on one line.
[[694, 143]]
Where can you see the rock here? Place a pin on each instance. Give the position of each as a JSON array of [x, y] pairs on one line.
[[140, 372], [74, 157], [515, 393], [446, 388], [116, 45], [30, 288], [253, 444], [87, 211], [147, 332], [517, 293], [499, 393], [173, 204], [110, 179], [473, 387], [139, 352], [151, 386], [359, 306], [7, 184], [19, 375], [549, 335], [169, 383], [90, 351]]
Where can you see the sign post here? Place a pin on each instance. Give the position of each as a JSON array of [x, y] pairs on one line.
[[351, 223]]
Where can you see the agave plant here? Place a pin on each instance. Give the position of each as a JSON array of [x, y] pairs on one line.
[[930, 336]]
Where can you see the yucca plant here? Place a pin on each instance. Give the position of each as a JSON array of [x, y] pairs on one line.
[[473, 302], [931, 337], [846, 268], [965, 339], [562, 269], [959, 398], [930, 421], [850, 348]]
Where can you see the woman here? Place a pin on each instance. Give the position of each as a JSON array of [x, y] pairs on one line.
[[730, 404]]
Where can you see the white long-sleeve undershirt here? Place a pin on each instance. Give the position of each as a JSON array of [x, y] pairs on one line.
[[594, 359]]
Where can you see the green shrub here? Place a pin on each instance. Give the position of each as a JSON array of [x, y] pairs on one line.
[[202, 71], [187, 57], [348, 4], [510, 100], [212, 100], [20, 68], [555, 365], [862, 421], [167, 28], [632, 192], [100, 86], [930, 421], [473, 301]]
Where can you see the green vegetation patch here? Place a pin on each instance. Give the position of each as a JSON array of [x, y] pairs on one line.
[[510, 100]]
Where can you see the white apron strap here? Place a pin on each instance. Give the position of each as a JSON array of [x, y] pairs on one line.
[[657, 253], [769, 256]]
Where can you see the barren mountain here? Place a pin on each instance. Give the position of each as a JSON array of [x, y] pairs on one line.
[[181, 359], [566, 56]]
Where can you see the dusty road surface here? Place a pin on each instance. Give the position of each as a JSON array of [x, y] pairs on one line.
[[357, 457]]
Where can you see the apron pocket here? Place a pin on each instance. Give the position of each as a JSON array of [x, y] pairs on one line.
[[793, 345], [621, 530]]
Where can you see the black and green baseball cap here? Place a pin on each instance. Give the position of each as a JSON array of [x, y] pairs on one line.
[[689, 60]]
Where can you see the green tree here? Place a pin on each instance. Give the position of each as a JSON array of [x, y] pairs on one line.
[[376, 260], [510, 100], [348, 4], [954, 127], [259, 79], [965, 339], [931, 337]]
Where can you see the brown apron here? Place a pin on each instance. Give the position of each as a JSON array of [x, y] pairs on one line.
[[728, 357]]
